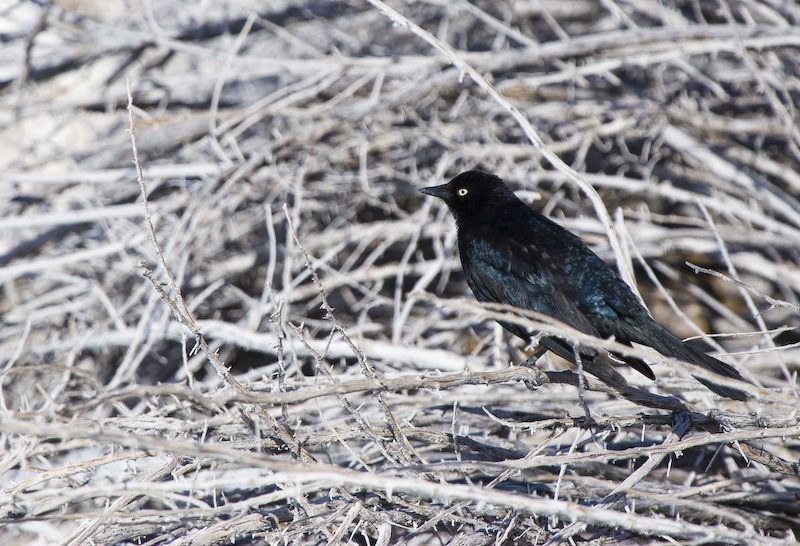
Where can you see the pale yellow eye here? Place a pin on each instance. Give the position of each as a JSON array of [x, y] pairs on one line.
[[462, 192]]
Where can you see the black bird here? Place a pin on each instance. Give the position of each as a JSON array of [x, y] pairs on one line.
[[513, 255]]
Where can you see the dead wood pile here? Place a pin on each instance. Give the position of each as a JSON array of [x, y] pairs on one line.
[[282, 349]]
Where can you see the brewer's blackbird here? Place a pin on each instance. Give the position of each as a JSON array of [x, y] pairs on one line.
[[513, 255]]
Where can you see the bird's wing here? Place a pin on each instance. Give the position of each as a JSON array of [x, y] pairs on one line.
[[498, 271], [614, 310], [497, 275], [562, 260]]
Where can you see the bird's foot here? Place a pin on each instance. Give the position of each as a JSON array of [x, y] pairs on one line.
[[530, 362], [534, 378]]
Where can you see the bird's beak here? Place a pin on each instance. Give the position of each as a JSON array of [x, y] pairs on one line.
[[436, 191]]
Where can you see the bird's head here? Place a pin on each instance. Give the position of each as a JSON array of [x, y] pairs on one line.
[[471, 193]]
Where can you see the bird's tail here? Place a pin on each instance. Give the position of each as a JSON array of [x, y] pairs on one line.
[[669, 345]]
